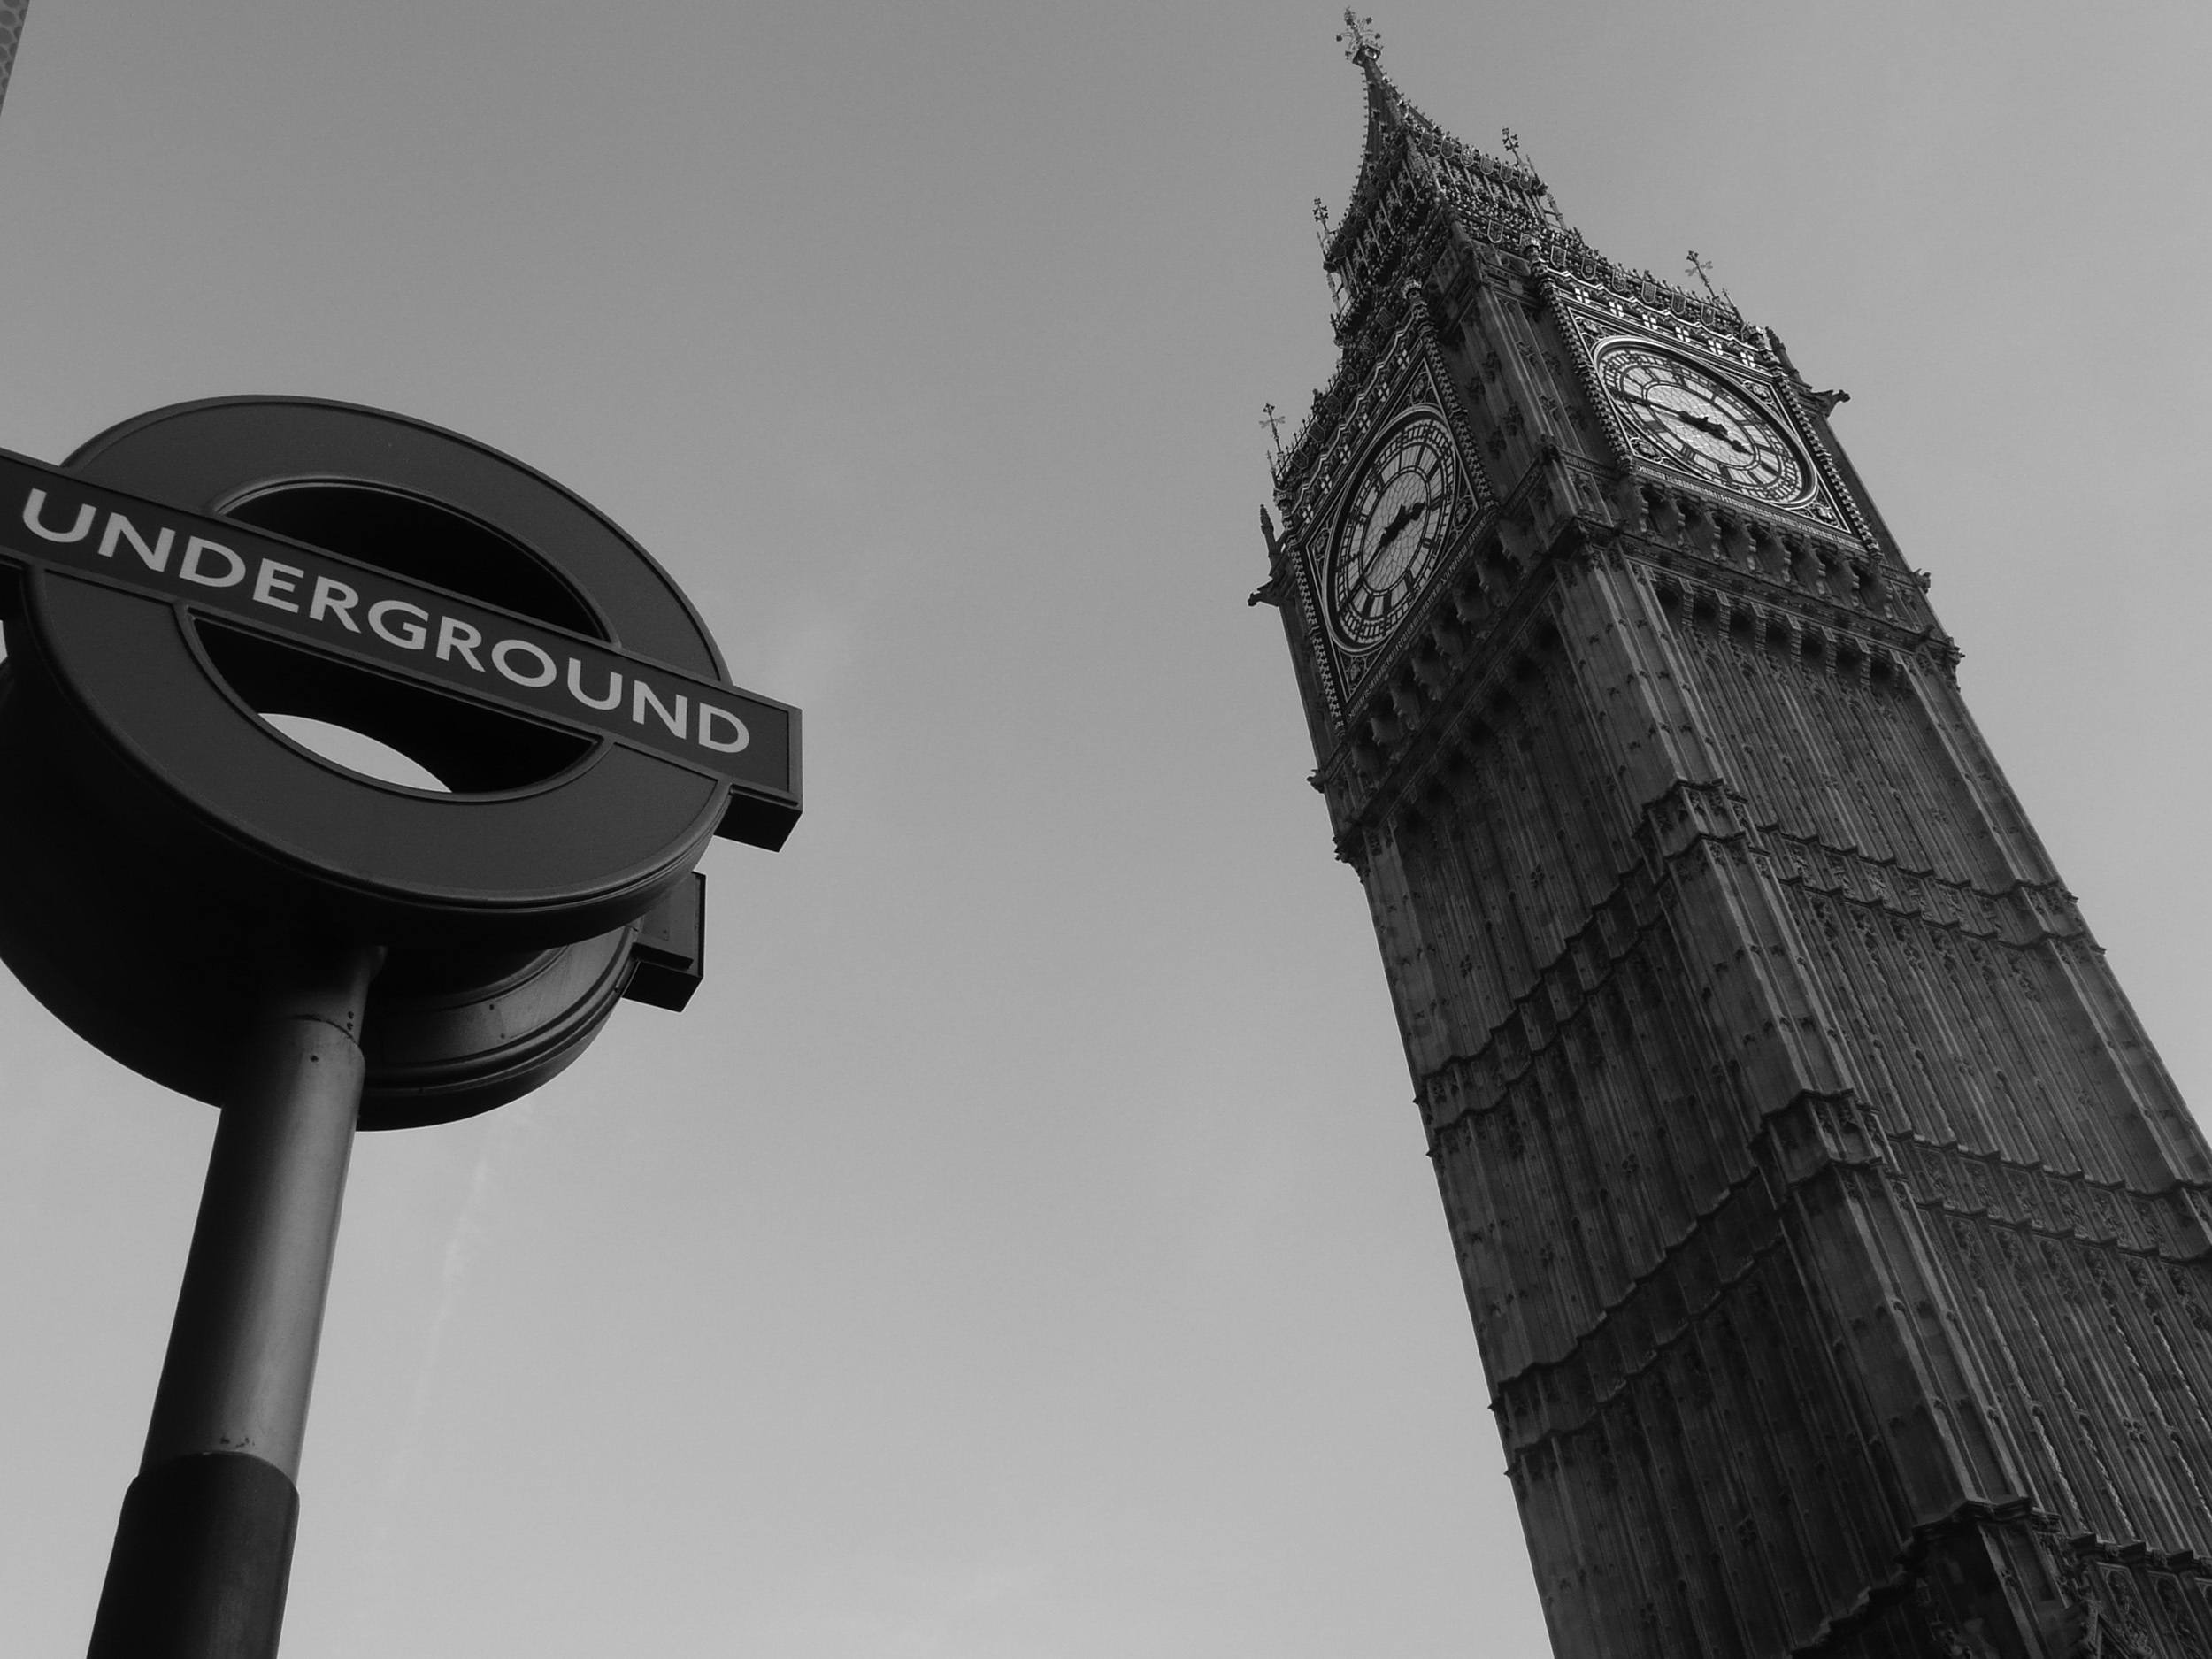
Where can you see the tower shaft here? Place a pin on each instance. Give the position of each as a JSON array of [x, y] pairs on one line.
[[1839, 1251]]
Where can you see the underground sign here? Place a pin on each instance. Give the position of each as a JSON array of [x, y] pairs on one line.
[[189, 573]]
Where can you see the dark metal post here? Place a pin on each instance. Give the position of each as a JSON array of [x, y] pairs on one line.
[[204, 1546]]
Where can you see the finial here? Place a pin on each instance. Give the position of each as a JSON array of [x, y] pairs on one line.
[[1362, 40], [1274, 422], [1550, 205], [1322, 230], [1701, 269]]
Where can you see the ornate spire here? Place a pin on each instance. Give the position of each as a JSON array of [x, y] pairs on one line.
[[1403, 143], [1362, 44]]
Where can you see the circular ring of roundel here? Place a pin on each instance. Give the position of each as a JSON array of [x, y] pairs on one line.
[[156, 831]]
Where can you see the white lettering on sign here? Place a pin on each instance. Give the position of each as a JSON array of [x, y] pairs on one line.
[[641, 694], [454, 635], [412, 636], [543, 675], [301, 601], [335, 599], [275, 578], [576, 687], [33, 510], [192, 571], [708, 716], [119, 528]]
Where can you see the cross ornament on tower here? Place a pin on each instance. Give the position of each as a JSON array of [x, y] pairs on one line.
[[1362, 40]]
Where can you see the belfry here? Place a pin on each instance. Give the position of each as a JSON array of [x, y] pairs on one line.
[[1838, 1250]]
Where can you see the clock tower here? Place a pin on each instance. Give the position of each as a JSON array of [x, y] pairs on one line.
[[1839, 1251]]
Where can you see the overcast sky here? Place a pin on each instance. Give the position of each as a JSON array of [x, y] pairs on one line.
[[1023, 1248]]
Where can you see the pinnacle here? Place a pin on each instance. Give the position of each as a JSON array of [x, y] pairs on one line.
[[1362, 44], [1392, 117]]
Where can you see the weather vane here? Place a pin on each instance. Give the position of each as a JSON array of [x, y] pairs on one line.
[[1513, 147], [1362, 41], [1274, 422], [1701, 269]]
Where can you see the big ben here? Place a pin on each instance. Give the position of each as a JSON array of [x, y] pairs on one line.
[[1836, 1244]]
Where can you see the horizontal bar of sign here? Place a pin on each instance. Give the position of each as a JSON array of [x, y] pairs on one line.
[[339, 607]]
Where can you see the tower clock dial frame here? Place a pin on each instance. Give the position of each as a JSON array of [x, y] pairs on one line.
[[1393, 496], [1390, 535], [1695, 421], [1701, 401]]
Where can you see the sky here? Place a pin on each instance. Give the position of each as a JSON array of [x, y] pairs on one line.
[[1023, 1246]]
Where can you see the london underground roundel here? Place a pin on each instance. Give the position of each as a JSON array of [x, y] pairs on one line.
[[190, 575]]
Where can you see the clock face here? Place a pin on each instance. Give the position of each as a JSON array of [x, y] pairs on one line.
[[1393, 531], [1690, 420]]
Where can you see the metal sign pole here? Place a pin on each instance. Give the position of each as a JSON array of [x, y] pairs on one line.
[[203, 1550]]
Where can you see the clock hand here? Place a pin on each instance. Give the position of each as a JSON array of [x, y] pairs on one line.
[[1714, 429], [1710, 428], [1405, 515]]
